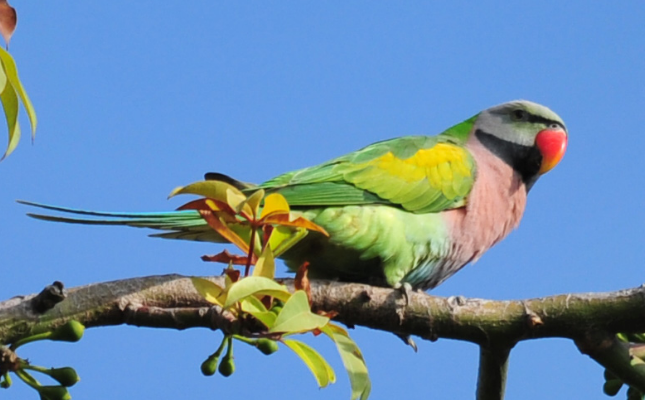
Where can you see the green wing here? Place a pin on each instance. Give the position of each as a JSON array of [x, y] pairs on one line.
[[421, 174]]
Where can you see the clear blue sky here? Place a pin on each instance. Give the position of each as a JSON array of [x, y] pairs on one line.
[[135, 98]]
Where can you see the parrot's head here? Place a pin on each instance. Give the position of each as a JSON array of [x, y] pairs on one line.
[[528, 136]]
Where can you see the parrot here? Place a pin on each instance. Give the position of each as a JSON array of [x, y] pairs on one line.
[[411, 210]]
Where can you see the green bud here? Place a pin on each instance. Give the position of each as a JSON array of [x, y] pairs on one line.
[[53, 393], [634, 394], [276, 310], [72, 331], [66, 376], [210, 365], [6, 382], [227, 366], [635, 337], [612, 387], [267, 346]]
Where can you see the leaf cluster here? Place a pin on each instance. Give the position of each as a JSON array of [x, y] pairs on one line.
[[264, 311]]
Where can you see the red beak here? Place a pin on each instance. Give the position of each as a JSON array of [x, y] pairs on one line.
[[552, 143]]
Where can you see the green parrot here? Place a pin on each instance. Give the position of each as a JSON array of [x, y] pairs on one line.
[[410, 210]]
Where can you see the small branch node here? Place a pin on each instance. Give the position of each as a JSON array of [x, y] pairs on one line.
[[220, 319], [457, 301], [364, 296], [48, 297], [9, 361], [532, 319]]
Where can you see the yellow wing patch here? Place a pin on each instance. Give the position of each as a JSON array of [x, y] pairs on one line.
[[441, 163], [430, 180]]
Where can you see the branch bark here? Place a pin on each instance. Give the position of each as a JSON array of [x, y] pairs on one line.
[[170, 301]]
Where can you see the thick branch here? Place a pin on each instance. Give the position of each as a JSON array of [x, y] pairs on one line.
[[170, 301]]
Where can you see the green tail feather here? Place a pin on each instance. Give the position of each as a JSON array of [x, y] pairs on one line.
[[186, 225]]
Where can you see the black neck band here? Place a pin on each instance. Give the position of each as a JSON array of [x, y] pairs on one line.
[[525, 160]]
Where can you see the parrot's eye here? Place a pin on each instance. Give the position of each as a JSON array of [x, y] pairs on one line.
[[519, 115], [554, 126]]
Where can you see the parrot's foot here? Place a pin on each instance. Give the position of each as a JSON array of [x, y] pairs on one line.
[[405, 289], [407, 339]]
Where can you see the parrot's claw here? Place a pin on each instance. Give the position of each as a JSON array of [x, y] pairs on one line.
[[407, 339], [405, 289]]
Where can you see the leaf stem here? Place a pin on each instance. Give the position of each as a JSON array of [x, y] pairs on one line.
[[251, 250], [29, 339], [27, 378]]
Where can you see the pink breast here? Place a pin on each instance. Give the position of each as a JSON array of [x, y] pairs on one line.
[[495, 206]]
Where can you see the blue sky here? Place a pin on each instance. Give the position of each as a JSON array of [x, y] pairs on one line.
[[136, 98]]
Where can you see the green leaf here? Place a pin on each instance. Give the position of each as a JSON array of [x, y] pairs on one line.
[[318, 366], [256, 308], [296, 316], [283, 238], [236, 200], [265, 265], [11, 106], [251, 204], [12, 75], [3, 78], [255, 285], [212, 292], [217, 190], [352, 359]]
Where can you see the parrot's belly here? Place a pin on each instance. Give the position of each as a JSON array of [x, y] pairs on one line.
[[375, 244]]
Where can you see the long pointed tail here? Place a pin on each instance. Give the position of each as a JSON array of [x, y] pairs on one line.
[[187, 225]]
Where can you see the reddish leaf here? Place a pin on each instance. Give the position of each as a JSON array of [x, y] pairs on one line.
[[267, 301], [226, 257], [233, 274], [283, 219], [207, 205], [328, 314], [8, 20], [220, 227], [302, 281]]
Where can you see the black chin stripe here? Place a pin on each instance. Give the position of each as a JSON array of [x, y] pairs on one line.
[[526, 160]]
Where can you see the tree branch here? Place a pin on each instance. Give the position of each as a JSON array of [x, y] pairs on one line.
[[493, 368], [170, 301]]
